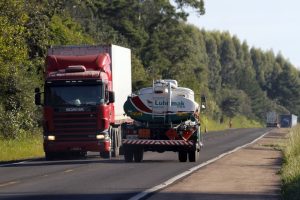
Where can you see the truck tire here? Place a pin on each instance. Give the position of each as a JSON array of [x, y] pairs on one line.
[[121, 149], [193, 156], [105, 154], [82, 154], [182, 156], [115, 142], [50, 155], [138, 155], [128, 154]]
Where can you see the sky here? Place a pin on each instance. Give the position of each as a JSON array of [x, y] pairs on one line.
[[265, 24]]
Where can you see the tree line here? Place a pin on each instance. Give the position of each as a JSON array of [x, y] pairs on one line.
[[237, 79]]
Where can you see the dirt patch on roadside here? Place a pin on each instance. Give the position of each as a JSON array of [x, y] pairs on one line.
[[250, 173]]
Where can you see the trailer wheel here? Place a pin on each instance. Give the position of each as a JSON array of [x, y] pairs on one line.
[[193, 156], [128, 154], [105, 154], [115, 142], [182, 156], [138, 155]]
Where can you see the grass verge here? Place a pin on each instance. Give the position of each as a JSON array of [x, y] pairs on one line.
[[237, 122], [291, 167], [22, 148]]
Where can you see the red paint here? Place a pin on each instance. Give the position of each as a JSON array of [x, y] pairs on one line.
[[172, 134], [100, 62], [77, 130], [140, 105]]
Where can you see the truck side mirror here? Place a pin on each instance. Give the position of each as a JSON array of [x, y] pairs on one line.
[[111, 96], [37, 96], [203, 103]]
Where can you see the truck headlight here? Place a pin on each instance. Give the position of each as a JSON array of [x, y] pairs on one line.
[[100, 137], [50, 137]]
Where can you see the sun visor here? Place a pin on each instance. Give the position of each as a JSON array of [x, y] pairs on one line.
[[99, 62]]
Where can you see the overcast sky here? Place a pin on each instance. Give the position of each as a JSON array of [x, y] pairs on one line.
[[264, 24]]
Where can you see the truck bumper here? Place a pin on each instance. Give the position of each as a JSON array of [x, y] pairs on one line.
[[64, 146], [160, 145]]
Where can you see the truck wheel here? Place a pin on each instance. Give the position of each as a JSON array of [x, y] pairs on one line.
[[115, 142], [105, 154], [193, 156], [121, 148], [83, 154], [138, 155], [182, 156], [128, 155], [50, 155]]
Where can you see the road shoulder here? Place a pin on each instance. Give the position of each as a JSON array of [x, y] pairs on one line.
[[250, 173]]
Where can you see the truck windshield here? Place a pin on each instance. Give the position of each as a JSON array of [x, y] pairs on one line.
[[76, 95]]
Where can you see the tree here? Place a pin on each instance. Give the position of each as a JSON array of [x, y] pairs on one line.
[[227, 58], [214, 65], [14, 102]]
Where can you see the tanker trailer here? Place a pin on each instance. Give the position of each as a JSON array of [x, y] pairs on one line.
[[165, 118]]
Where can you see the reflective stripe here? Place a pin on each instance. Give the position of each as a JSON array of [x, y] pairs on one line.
[[159, 142]]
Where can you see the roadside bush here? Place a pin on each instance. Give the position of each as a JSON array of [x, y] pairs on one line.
[[291, 167]]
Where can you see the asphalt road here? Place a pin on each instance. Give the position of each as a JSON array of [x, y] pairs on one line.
[[96, 178]]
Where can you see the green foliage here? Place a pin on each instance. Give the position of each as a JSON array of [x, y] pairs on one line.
[[198, 5], [26, 31], [214, 65], [231, 106], [236, 80], [66, 31], [15, 107], [291, 168]]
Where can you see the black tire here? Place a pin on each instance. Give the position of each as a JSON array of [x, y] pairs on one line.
[[83, 154], [50, 155], [115, 142], [121, 149], [182, 156], [128, 154], [105, 154], [77, 154], [193, 156], [138, 155]]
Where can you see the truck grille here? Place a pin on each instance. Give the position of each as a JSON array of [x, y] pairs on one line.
[[75, 125]]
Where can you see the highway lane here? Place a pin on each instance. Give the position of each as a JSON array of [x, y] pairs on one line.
[[95, 178]]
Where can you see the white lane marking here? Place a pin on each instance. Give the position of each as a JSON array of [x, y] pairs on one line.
[[68, 171], [9, 183], [17, 163], [191, 170]]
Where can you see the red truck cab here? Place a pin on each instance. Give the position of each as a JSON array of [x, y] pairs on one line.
[[79, 104]]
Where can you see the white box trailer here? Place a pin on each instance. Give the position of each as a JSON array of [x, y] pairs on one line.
[[120, 67], [288, 120], [294, 120], [272, 119]]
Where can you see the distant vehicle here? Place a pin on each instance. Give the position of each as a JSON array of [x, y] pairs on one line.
[[165, 119], [288, 121], [272, 119], [84, 92]]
